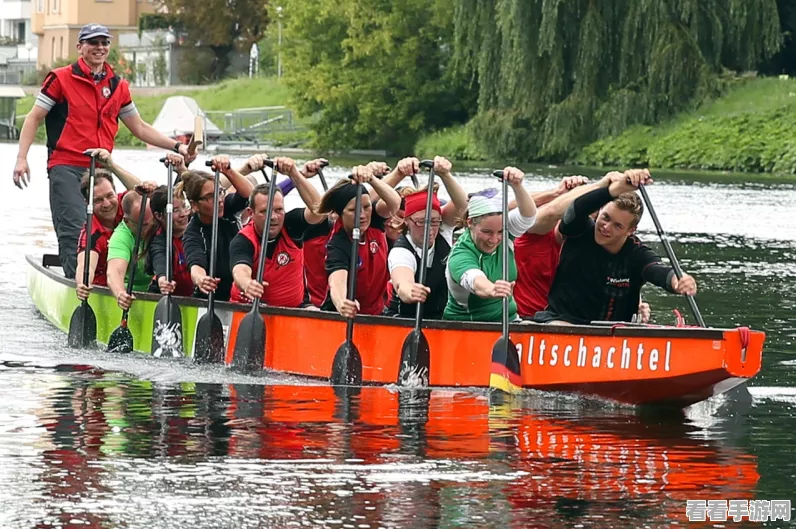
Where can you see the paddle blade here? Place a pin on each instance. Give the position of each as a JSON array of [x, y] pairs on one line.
[[347, 366], [209, 348], [121, 341], [249, 353], [167, 330], [82, 327], [414, 360], [505, 374]]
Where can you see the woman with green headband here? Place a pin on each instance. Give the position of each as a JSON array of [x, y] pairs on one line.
[[475, 266]]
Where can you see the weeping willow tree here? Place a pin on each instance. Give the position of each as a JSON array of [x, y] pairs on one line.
[[555, 74]]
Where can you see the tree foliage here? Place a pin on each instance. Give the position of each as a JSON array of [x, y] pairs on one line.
[[221, 25], [555, 74], [374, 70]]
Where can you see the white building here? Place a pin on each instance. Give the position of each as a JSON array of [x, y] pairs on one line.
[[18, 45], [151, 53]]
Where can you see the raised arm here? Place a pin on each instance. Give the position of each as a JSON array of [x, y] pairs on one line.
[[453, 210], [306, 190], [241, 184]]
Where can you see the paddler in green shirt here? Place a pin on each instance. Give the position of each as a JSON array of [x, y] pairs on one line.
[[120, 251], [475, 266]]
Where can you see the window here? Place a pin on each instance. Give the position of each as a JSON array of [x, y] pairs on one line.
[[52, 52], [54, 6], [40, 6], [61, 55]]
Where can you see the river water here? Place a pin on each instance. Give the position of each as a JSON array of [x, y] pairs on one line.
[[89, 440]]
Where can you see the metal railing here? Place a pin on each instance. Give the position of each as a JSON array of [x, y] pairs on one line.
[[252, 125]]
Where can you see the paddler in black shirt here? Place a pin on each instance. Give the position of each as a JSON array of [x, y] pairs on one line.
[[603, 264]]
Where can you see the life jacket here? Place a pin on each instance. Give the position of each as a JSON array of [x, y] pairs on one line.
[[284, 272], [100, 236], [315, 268], [435, 280], [537, 259], [372, 275], [86, 117], [180, 272]]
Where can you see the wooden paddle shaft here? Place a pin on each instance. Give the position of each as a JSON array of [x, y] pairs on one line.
[[678, 271], [132, 265], [424, 246], [213, 233], [322, 178], [89, 218], [354, 262], [267, 228], [169, 218], [504, 322]]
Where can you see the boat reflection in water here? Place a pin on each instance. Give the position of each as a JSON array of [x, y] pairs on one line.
[[275, 456]]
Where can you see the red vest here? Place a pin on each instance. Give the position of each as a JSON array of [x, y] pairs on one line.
[[315, 269], [180, 273], [372, 274], [284, 272], [100, 235], [537, 259], [86, 116]]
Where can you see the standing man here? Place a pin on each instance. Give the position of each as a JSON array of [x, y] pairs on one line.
[[81, 105]]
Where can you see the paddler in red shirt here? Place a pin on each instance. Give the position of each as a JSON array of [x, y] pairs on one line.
[[107, 215], [372, 275], [283, 276]]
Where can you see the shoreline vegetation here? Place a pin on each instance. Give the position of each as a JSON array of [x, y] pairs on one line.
[[749, 130]]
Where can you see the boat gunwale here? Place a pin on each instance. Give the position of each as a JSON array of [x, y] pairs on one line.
[[620, 329]]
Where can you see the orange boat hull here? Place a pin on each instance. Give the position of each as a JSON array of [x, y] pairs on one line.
[[629, 364]]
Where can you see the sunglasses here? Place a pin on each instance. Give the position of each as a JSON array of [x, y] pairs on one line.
[[98, 42]]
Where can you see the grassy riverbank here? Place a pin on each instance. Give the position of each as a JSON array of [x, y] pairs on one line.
[[227, 95], [751, 129]]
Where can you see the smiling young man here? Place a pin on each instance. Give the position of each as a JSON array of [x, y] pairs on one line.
[[81, 105], [603, 265]]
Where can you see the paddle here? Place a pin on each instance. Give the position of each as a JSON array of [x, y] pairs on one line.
[[670, 253], [413, 176], [414, 367], [121, 340], [83, 324], [249, 353], [198, 134], [167, 323], [505, 371], [323, 179], [209, 331], [347, 363]]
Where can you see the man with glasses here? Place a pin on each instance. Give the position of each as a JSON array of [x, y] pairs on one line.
[[81, 105]]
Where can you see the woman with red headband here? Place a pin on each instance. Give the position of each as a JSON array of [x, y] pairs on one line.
[[372, 274], [405, 255]]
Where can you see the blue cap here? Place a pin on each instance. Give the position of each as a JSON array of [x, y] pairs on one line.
[[89, 31]]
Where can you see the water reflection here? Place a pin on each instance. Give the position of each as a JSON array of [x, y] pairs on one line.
[[112, 450]]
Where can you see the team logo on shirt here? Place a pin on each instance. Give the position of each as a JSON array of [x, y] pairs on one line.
[[106, 92], [374, 247], [282, 259]]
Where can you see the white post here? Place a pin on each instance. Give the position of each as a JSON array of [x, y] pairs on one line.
[[279, 42]]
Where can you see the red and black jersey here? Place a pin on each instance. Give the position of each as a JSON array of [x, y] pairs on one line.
[[315, 240], [284, 261], [156, 264], [85, 115], [100, 235], [537, 259], [372, 275]]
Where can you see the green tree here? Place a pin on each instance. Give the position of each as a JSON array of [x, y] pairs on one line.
[[221, 25], [376, 71], [555, 74]]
